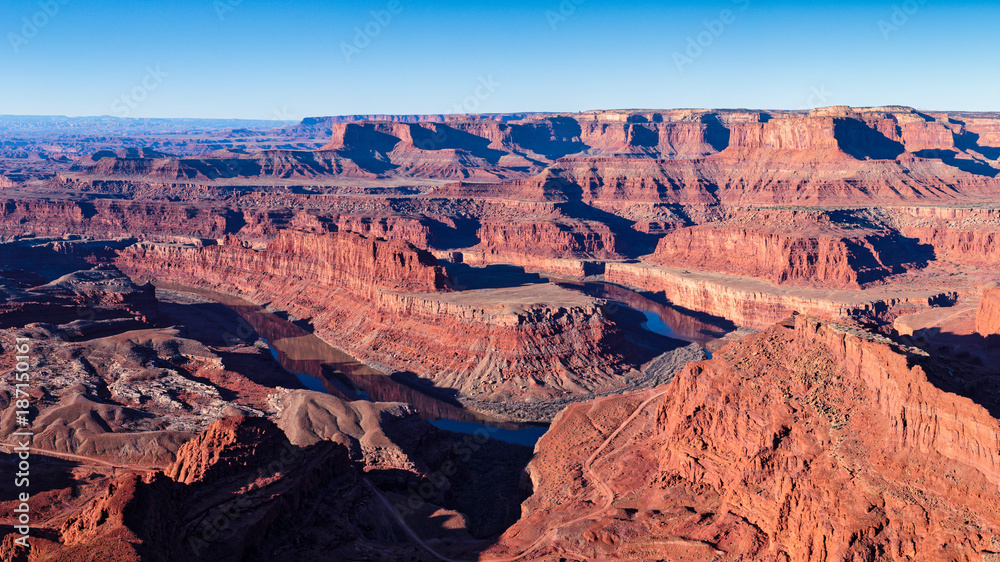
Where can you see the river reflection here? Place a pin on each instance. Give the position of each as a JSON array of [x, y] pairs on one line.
[[322, 367], [301, 352], [673, 322]]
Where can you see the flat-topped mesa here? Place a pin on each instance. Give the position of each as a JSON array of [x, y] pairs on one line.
[[696, 157], [386, 136], [366, 135], [839, 133], [794, 247], [528, 142], [476, 148], [343, 259], [756, 304], [807, 441], [660, 140], [814, 133], [389, 304], [916, 131]]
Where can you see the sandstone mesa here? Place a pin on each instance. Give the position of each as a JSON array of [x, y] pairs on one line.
[[839, 264]]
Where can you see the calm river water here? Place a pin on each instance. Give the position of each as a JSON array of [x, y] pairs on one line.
[[324, 368]]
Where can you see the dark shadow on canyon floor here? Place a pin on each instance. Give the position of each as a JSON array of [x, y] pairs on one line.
[[499, 276], [964, 364], [46, 474]]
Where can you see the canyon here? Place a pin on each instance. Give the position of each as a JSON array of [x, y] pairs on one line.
[[764, 335], [854, 454]]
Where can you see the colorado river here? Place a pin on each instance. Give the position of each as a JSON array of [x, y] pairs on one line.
[[661, 318], [323, 368]]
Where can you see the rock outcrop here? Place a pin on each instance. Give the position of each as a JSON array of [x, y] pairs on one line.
[[757, 304], [226, 448], [988, 314], [962, 235], [217, 502], [99, 294], [108, 218], [344, 260], [808, 441], [548, 239], [836, 155], [389, 304], [795, 247], [241, 490]]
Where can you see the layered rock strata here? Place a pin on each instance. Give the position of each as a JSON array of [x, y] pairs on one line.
[[807, 441], [389, 304], [757, 304], [99, 294], [838, 251], [988, 314]]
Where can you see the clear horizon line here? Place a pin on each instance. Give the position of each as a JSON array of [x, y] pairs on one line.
[[490, 113]]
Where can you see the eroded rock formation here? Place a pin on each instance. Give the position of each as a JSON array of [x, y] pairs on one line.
[[810, 440], [390, 304], [102, 293], [806, 441], [988, 315], [816, 249]]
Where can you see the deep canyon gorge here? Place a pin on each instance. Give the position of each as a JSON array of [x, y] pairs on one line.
[[734, 335]]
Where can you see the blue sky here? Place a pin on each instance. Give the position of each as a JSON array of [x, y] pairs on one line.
[[265, 59]]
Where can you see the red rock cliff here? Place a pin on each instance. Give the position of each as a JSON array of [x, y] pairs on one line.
[[792, 247], [988, 315], [338, 259], [807, 441], [387, 303]]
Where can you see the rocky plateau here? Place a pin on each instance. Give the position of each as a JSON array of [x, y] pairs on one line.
[[754, 335]]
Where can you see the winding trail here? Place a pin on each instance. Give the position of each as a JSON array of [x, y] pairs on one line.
[[588, 467], [9, 449], [406, 527]]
